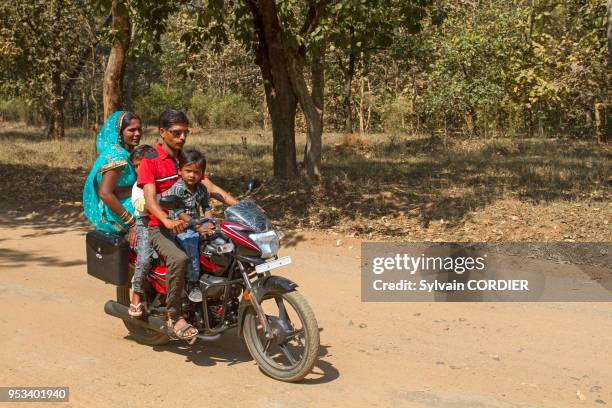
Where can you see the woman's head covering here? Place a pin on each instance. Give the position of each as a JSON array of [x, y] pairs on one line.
[[110, 133]]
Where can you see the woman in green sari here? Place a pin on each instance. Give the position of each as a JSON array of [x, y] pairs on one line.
[[107, 190]]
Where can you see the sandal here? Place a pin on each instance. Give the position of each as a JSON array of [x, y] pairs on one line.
[[135, 310], [180, 333]]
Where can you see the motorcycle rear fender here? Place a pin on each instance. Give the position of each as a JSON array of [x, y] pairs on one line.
[[261, 287]]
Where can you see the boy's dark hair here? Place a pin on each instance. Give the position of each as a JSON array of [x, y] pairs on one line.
[[192, 156], [171, 117], [140, 151], [126, 119]]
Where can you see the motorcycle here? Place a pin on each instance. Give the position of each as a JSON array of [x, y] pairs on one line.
[[278, 326]]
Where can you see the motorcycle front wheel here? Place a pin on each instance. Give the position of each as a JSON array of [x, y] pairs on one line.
[[292, 351]]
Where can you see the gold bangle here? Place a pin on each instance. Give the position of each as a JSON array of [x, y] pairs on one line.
[[129, 220], [126, 217]]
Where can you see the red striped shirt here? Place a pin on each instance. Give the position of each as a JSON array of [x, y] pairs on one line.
[[158, 168]]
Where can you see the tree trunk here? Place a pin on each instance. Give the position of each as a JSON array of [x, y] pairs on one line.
[[282, 114], [608, 106], [470, 121], [347, 101], [313, 110], [113, 76], [361, 107], [369, 117], [280, 98], [530, 121], [85, 122], [56, 127], [600, 122], [415, 93], [265, 114]]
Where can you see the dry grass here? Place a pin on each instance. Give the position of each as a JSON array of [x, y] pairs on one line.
[[407, 187]]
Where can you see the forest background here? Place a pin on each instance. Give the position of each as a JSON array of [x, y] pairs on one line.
[[523, 67], [412, 112]]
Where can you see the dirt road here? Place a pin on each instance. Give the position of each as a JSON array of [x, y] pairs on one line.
[[55, 333]]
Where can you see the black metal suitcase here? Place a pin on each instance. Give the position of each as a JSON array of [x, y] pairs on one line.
[[107, 257]]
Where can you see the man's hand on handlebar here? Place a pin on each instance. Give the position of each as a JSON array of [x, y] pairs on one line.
[[206, 229], [176, 226]]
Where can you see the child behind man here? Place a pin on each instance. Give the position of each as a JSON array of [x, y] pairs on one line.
[[144, 251], [194, 198]]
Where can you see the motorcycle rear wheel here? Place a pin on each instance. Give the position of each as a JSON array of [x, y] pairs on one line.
[[140, 334], [270, 355]]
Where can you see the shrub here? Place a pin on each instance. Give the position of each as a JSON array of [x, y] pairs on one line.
[[213, 109], [396, 114], [18, 110], [160, 98]]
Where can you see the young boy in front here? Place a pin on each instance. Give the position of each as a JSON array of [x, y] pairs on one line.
[[194, 198]]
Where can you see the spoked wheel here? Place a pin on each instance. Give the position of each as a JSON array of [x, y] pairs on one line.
[[292, 351], [140, 334]]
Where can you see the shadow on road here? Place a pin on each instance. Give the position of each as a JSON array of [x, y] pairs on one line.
[[231, 350], [10, 258], [324, 371]]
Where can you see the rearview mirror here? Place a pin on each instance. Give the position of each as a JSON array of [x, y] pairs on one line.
[[252, 185]]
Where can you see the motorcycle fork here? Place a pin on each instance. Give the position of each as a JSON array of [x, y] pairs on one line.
[[263, 323]]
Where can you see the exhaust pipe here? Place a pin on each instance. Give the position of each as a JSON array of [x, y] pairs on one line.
[[149, 322]]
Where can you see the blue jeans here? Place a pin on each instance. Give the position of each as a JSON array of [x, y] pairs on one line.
[[144, 253], [190, 242]]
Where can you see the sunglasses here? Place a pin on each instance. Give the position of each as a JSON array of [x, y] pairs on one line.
[[177, 132]]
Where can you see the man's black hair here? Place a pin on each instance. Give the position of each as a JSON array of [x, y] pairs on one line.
[[140, 151], [171, 117], [192, 156]]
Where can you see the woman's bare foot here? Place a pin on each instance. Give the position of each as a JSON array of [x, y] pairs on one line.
[[135, 309], [135, 298]]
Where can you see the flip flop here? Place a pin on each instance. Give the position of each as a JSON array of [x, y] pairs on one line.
[[135, 310]]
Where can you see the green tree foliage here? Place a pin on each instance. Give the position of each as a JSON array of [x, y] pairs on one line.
[[160, 98], [470, 53], [41, 43], [526, 67], [363, 29]]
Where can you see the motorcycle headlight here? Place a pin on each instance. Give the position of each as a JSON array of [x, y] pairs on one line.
[[268, 243]]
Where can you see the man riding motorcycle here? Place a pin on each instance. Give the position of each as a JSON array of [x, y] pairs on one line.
[[158, 172]]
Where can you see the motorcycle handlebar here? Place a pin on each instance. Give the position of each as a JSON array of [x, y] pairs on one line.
[[194, 222]]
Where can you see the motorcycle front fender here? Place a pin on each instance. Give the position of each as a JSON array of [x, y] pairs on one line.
[[262, 287]]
